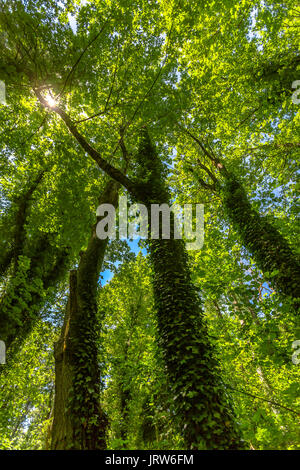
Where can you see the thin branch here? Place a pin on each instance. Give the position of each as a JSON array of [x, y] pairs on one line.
[[123, 147], [107, 100], [263, 399], [90, 117], [207, 170], [113, 172], [247, 117], [153, 83], [211, 155], [198, 141], [81, 55], [205, 185], [36, 131]]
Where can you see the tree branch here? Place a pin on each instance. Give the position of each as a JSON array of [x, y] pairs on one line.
[[205, 185], [207, 170], [81, 55], [263, 399], [211, 155], [113, 172]]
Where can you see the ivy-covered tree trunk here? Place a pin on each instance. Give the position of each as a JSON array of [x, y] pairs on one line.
[[204, 413], [200, 401], [271, 252], [25, 292], [12, 243], [79, 422], [31, 268]]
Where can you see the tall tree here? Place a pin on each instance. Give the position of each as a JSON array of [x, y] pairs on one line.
[[79, 421], [86, 89], [271, 252], [202, 406]]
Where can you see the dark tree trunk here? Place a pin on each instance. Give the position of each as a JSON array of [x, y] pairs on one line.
[[24, 296], [203, 409], [270, 250], [79, 422], [204, 413], [125, 397], [12, 248]]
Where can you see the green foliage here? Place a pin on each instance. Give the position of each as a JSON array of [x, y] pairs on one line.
[[223, 72], [27, 389]]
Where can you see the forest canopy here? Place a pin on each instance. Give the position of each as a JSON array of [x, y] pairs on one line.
[[149, 342]]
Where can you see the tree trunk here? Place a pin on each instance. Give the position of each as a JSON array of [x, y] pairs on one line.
[[22, 299], [21, 302], [204, 413], [79, 422], [12, 248], [271, 252]]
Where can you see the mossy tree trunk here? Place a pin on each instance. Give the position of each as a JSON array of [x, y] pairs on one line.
[[12, 245], [270, 250], [125, 396], [124, 376], [204, 413], [31, 268], [25, 292], [79, 422]]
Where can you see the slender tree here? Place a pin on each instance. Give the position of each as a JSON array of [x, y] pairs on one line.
[[12, 246], [271, 252], [25, 294], [30, 266]]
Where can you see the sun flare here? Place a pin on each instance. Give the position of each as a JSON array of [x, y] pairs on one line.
[[50, 101]]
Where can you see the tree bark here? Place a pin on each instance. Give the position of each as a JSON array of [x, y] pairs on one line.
[[21, 303], [79, 422], [12, 248], [204, 413], [271, 252]]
